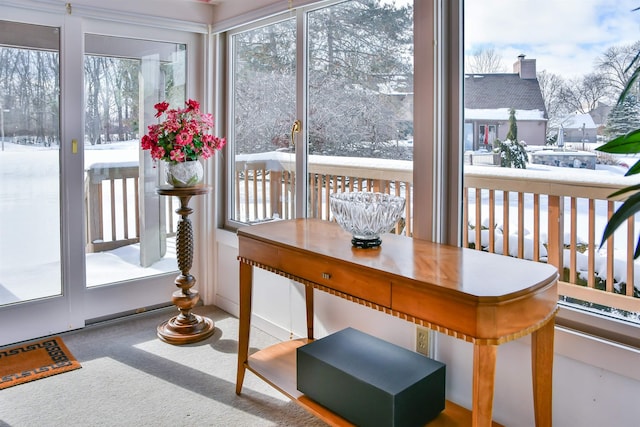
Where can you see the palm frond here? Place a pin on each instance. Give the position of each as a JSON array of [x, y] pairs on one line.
[[629, 208], [624, 144]]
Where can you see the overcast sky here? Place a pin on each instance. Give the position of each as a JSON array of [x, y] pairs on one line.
[[564, 36]]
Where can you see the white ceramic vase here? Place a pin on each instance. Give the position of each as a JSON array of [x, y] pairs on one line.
[[184, 174]]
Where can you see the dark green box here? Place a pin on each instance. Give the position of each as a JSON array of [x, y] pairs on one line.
[[369, 381]]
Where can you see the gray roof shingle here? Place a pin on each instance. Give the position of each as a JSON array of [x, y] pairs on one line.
[[491, 91]]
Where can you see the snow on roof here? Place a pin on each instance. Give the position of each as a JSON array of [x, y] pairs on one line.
[[576, 121], [502, 114]]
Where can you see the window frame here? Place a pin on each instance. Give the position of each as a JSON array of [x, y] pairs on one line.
[[225, 43], [586, 323], [439, 124]]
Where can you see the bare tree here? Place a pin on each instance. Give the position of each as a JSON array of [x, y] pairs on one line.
[[359, 68], [485, 61], [583, 94], [551, 87], [613, 64]]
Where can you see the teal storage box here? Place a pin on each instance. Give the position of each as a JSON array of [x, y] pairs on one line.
[[369, 381]]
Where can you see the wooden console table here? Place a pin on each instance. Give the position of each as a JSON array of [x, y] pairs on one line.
[[483, 298]]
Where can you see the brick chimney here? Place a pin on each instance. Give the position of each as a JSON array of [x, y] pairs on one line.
[[526, 68]]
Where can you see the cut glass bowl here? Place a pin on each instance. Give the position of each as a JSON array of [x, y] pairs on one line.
[[366, 215]]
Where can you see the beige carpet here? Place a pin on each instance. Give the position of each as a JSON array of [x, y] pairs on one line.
[[131, 378]]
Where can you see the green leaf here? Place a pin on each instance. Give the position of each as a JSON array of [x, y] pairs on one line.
[[629, 208], [633, 62], [629, 85], [625, 190], [633, 169], [624, 144]]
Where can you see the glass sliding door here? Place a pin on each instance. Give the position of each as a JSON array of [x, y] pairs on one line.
[[34, 292], [130, 244], [124, 79], [83, 234], [29, 163]]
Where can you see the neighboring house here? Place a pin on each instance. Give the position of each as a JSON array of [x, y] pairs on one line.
[[488, 99], [600, 115], [579, 128]]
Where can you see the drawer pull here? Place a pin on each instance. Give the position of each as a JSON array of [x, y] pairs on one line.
[[326, 276]]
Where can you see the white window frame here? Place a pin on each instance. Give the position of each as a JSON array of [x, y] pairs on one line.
[[438, 126]]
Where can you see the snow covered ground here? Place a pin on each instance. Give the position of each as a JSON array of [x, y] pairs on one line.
[[30, 227], [604, 175]]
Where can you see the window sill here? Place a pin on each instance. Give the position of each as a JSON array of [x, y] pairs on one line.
[[599, 341]]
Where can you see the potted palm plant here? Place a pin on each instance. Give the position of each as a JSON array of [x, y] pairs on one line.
[[626, 144]]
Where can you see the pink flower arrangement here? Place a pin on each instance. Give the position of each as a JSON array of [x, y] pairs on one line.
[[182, 136]]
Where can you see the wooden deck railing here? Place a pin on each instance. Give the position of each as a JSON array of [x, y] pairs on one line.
[[556, 218], [265, 188], [111, 196], [551, 218], [332, 174], [112, 204]]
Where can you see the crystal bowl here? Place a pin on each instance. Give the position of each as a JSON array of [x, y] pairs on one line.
[[366, 215]]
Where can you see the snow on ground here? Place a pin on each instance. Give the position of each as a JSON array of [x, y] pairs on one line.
[[30, 226], [26, 207], [603, 176]]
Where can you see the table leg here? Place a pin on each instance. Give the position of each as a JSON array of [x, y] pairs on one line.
[[484, 369], [308, 295], [246, 280], [542, 371]]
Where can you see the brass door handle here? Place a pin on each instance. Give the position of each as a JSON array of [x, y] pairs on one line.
[[295, 129]]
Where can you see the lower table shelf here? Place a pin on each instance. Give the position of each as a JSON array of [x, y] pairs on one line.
[[277, 366]]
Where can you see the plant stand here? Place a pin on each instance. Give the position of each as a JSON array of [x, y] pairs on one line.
[[186, 327]]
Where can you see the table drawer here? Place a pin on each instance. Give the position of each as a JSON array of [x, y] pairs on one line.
[[330, 272], [340, 277]]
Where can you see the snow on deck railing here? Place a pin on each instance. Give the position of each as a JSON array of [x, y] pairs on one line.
[[575, 200], [556, 215]]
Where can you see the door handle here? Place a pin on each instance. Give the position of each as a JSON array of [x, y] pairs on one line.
[[295, 129]]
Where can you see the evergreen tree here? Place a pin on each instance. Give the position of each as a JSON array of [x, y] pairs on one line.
[[512, 152], [513, 126], [623, 118]]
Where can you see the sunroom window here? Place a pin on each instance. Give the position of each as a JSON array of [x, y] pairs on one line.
[[548, 89], [530, 99], [321, 102]]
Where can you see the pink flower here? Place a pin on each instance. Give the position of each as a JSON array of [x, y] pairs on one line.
[[161, 107], [208, 119], [184, 138], [206, 152], [177, 155], [183, 134], [218, 143], [192, 105], [157, 153]]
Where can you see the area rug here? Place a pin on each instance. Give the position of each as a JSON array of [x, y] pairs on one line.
[[35, 360]]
